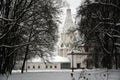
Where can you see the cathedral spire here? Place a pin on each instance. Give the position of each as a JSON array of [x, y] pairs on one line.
[[68, 24]]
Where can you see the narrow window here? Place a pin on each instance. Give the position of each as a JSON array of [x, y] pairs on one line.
[[33, 67], [50, 66], [46, 66], [28, 67], [55, 66], [62, 45], [38, 67]]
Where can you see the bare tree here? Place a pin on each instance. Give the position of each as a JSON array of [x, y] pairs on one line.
[[43, 28], [100, 24], [26, 26]]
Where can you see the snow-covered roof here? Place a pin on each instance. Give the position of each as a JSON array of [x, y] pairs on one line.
[[74, 51], [50, 59], [59, 59], [77, 51]]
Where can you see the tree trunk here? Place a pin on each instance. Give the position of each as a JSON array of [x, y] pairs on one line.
[[26, 53]]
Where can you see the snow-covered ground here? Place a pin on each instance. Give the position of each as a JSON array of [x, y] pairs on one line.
[[94, 74], [100, 74]]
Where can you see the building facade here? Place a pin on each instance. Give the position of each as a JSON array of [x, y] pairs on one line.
[[48, 63]]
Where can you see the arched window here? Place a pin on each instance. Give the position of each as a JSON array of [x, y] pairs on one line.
[[38, 67], [55, 66], [46, 66], [28, 67], [50, 66], [33, 67], [62, 45]]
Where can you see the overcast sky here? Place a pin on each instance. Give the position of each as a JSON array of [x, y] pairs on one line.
[[74, 4]]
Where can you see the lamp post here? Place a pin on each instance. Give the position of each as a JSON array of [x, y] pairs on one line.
[[72, 61]]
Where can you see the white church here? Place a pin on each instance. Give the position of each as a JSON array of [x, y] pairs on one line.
[[67, 47], [64, 58]]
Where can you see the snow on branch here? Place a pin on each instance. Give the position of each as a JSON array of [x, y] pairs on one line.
[[115, 30], [116, 36], [5, 19], [118, 24], [24, 44], [117, 44], [105, 4], [8, 46], [109, 35]]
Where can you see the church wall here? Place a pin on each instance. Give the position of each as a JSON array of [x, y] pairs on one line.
[[42, 66]]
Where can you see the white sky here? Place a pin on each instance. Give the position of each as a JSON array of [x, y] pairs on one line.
[[74, 4]]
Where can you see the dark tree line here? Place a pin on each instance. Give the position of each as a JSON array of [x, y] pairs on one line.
[[100, 26], [27, 28]]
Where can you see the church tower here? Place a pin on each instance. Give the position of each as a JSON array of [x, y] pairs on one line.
[[67, 43], [67, 36]]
